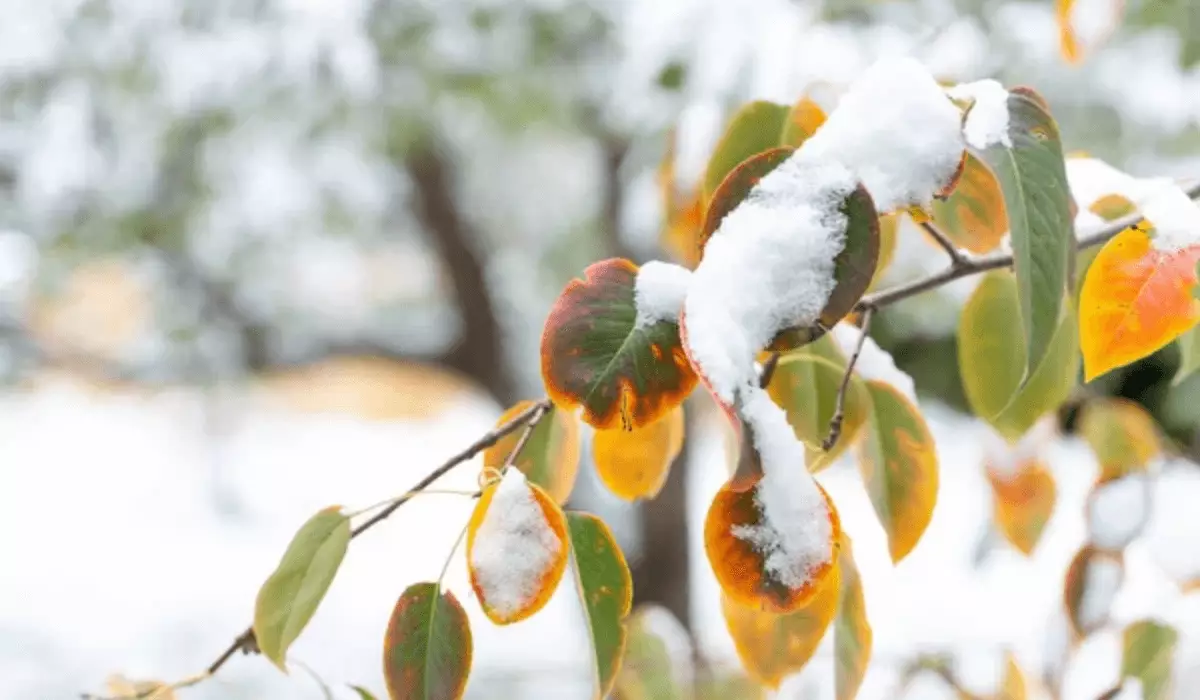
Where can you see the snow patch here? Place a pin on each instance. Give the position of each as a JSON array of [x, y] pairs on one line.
[[514, 546], [1174, 216], [873, 362], [1117, 511], [769, 266], [897, 130], [987, 122], [659, 291], [1101, 580], [795, 535], [1131, 689]]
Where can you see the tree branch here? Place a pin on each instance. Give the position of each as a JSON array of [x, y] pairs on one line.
[[957, 259], [839, 414]]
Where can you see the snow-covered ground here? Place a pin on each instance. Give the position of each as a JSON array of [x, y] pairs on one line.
[[134, 542]]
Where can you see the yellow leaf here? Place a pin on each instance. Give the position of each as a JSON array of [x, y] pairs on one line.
[[772, 646], [1121, 433], [1022, 501], [550, 458], [974, 215], [516, 552], [635, 463], [1013, 687], [121, 688], [852, 636], [1135, 300], [1082, 28], [802, 122]]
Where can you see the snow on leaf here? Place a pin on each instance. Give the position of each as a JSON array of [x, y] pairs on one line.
[[898, 462], [290, 596], [772, 645], [427, 648], [1117, 511], [1091, 583], [754, 128], [1148, 652], [596, 355], [806, 388], [973, 215], [550, 458], [987, 118], [1122, 434], [737, 185], [634, 464], [1022, 502], [516, 549], [1135, 299], [852, 636], [606, 592], [1037, 202]]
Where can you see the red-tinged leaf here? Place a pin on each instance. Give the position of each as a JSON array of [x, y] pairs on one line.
[[289, 598], [1122, 434], [803, 120], [516, 552], [1092, 581], [606, 592], [1022, 502], [755, 128], [898, 462], [427, 649], [740, 566], [595, 355], [973, 216], [550, 457], [1148, 653], [634, 464], [772, 646], [1135, 300], [852, 635]]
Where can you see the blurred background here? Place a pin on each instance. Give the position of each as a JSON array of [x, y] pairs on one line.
[[262, 256]]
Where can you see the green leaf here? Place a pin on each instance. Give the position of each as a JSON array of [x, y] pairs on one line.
[[898, 462], [595, 355], [290, 596], [717, 685], [1033, 179], [363, 693], [672, 75], [606, 590], [647, 672], [1149, 648], [754, 128], [991, 359], [1189, 354], [852, 636], [1123, 435], [427, 648], [806, 387]]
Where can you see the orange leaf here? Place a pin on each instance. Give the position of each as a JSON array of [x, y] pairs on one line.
[[550, 458], [1022, 503], [771, 645], [974, 215], [1135, 300], [740, 566], [635, 463], [516, 552]]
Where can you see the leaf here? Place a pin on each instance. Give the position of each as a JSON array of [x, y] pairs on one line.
[[1148, 654], [121, 687], [803, 120], [1037, 201], [594, 354], [991, 359], [647, 672], [898, 462], [1121, 433], [519, 568], [888, 235], [681, 235], [772, 646], [605, 590], [716, 685], [739, 566], [973, 216], [754, 128], [550, 457], [1013, 687], [363, 693], [1072, 46], [806, 387], [427, 648], [634, 464], [1135, 300], [290, 596], [1022, 503], [1189, 355], [854, 268], [1092, 580], [851, 629]]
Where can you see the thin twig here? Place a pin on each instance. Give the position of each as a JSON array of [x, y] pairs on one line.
[[957, 259], [839, 414], [983, 263], [245, 641]]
